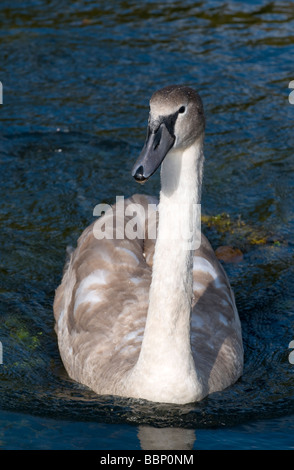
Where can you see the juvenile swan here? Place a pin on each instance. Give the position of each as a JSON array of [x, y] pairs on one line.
[[152, 319]]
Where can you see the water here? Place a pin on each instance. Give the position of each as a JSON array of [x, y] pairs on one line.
[[77, 78]]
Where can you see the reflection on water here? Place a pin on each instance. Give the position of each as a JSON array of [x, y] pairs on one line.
[[166, 438], [76, 90]]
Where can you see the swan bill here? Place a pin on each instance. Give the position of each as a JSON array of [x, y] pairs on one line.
[[158, 143]]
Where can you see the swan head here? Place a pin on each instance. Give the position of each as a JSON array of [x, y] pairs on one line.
[[176, 121]]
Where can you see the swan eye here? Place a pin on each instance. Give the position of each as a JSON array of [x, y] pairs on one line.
[[182, 109]]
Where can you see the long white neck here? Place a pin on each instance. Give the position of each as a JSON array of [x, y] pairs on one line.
[[166, 359]]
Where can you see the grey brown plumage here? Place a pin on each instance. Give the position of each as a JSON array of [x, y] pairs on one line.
[[105, 297]]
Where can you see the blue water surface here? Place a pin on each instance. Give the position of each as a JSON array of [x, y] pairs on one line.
[[77, 77]]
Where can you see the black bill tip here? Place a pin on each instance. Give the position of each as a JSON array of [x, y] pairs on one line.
[[139, 175]]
